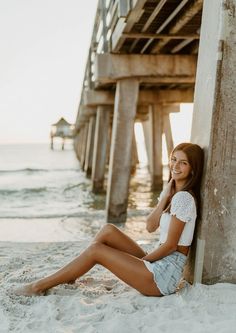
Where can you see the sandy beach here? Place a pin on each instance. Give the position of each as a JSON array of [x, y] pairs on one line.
[[48, 216], [99, 302]]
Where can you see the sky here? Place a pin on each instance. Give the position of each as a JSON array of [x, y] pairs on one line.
[[43, 52]]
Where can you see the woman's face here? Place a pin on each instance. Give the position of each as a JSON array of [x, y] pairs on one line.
[[179, 167]]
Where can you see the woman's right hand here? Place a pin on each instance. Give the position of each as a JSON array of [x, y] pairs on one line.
[[169, 190]]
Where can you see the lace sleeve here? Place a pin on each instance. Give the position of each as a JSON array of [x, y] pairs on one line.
[[183, 206]]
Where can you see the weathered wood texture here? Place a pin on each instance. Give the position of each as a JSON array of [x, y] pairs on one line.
[[147, 68], [92, 98], [214, 127], [156, 121], [100, 148], [121, 150]]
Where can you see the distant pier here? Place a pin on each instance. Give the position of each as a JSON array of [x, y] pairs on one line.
[[62, 129]]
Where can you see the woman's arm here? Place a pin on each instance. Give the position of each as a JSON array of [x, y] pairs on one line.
[[175, 230], [153, 219]]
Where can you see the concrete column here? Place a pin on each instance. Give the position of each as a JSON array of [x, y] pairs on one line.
[[109, 137], [100, 147], [126, 99], [156, 129], [214, 126], [147, 138], [84, 144], [168, 133], [76, 145], [89, 146], [80, 144], [134, 157]]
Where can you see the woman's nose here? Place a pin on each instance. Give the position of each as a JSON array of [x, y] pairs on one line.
[[176, 163]]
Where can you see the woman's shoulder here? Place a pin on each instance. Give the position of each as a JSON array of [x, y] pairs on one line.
[[183, 196], [183, 206]]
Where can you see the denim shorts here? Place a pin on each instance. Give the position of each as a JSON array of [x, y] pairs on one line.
[[167, 271]]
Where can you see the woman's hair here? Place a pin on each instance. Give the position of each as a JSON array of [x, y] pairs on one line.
[[195, 156]]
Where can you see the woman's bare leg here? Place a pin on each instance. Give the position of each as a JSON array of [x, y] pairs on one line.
[[110, 236], [114, 237], [127, 267]]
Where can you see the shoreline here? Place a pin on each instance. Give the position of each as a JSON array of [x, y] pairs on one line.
[[70, 229]]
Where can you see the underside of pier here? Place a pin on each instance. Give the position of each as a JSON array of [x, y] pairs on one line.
[[144, 60]]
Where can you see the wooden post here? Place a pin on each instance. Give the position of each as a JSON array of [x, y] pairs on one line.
[[84, 145], [89, 146], [76, 145], [147, 138], [155, 114], [168, 132], [134, 156], [100, 148], [214, 127], [126, 99]]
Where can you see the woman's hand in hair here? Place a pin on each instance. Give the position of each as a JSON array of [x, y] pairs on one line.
[[153, 219], [169, 190]]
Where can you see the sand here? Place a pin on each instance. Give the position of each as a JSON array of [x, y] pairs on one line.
[[99, 302]]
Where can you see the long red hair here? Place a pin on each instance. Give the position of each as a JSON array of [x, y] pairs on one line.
[[195, 156]]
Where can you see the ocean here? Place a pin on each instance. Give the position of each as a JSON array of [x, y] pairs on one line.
[[45, 196]]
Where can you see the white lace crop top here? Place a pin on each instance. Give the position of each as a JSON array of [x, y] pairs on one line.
[[184, 208]]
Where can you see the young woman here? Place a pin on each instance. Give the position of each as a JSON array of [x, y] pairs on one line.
[[157, 273]]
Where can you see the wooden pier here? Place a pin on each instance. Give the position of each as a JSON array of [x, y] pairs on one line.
[[61, 129], [145, 58]]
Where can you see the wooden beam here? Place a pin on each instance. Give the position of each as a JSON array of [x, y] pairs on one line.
[[123, 8], [126, 24], [160, 36], [116, 38], [135, 14], [94, 98], [181, 45], [147, 97], [154, 14], [98, 97], [147, 68], [149, 21], [166, 22], [195, 7]]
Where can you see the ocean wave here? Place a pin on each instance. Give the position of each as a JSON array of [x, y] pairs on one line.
[[65, 215], [82, 213], [32, 170], [82, 186], [23, 191]]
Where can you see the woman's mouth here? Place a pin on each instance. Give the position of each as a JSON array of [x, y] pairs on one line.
[[176, 172]]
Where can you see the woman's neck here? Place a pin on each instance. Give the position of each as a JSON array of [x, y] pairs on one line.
[[179, 186]]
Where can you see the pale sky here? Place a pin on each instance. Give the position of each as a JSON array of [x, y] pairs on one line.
[[43, 52], [44, 47]]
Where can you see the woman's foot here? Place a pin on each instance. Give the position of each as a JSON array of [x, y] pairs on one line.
[[29, 290]]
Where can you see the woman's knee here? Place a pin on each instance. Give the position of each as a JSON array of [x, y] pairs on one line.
[[107, 230]]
